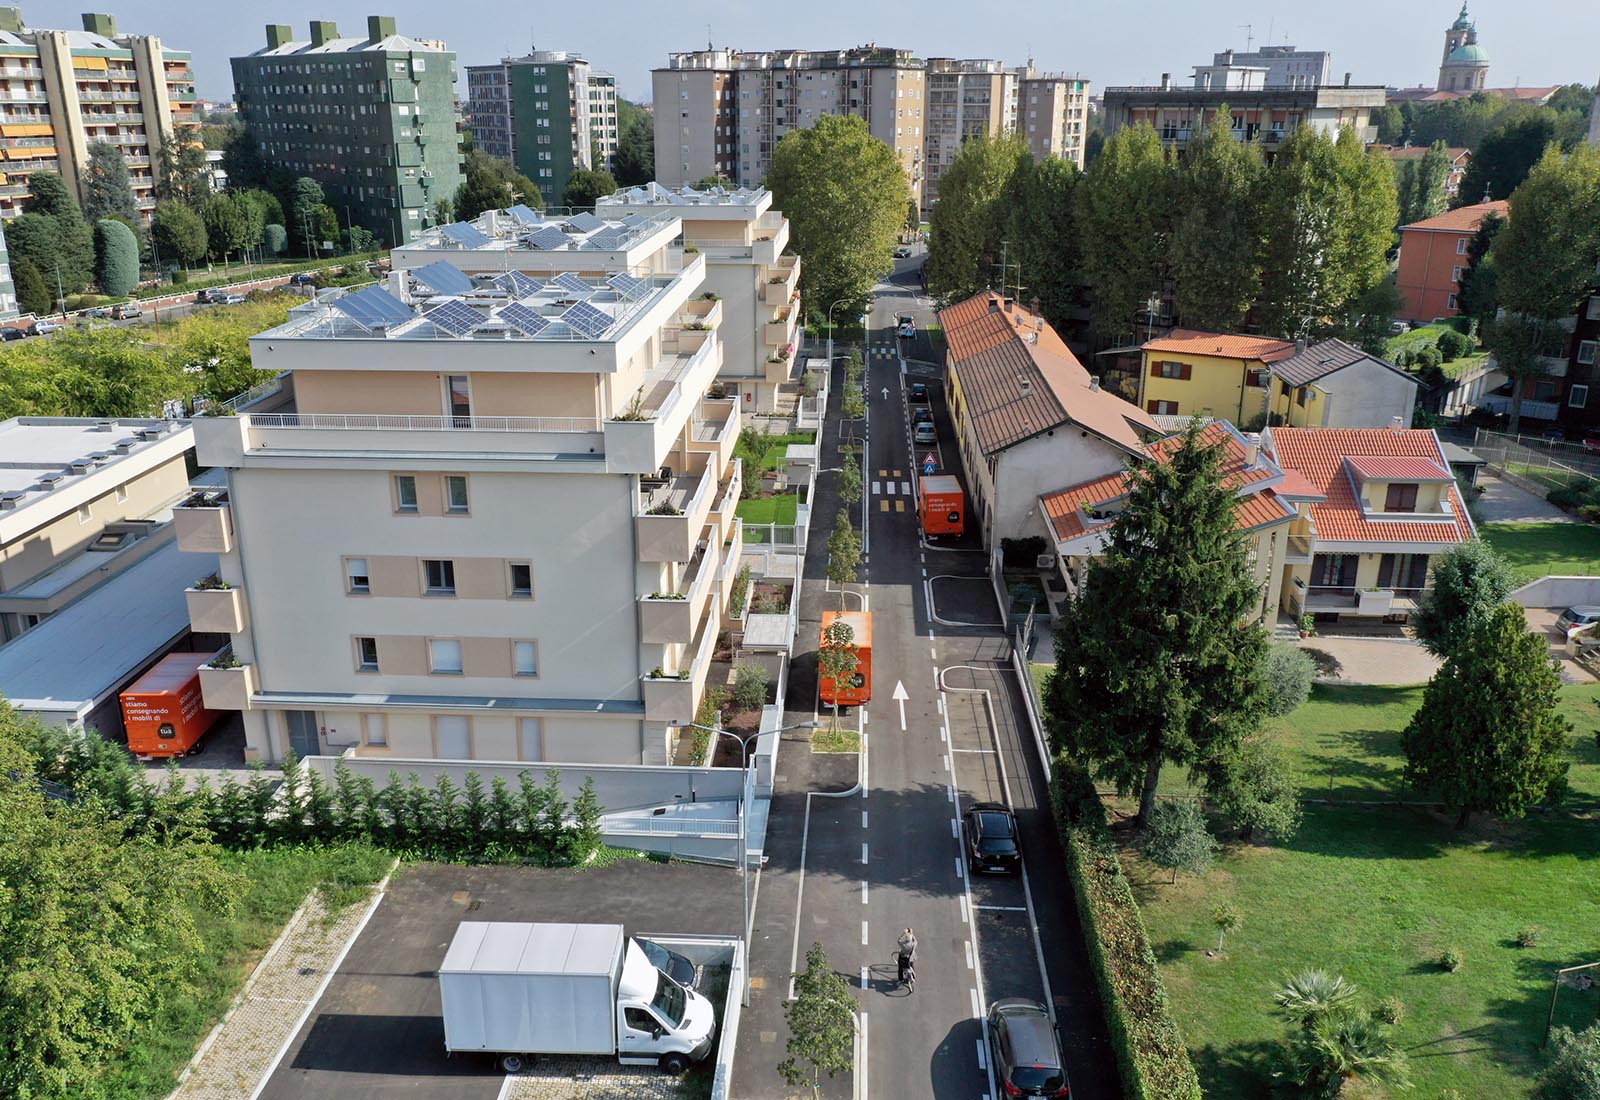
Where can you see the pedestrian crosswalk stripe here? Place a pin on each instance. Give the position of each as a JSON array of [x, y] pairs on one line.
[[899, 505], [889, 488], [905, 487], [883, 505], [876, 488]]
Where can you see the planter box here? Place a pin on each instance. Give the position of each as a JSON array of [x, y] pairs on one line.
[[668, 700], [204, 530], [1374, 603], [227, 688], [216, 610]]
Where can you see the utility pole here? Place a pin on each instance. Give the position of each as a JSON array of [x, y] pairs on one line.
[[1248, 36]]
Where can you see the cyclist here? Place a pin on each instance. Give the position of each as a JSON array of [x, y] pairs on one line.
[[907, 958]]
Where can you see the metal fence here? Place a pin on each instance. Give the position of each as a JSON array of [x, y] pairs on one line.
[[1549, 462]]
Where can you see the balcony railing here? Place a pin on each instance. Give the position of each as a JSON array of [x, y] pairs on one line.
[[1361, 601], [369, 422], [1299, 550]]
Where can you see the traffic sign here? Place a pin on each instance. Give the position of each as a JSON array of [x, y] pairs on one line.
[[929, 463]]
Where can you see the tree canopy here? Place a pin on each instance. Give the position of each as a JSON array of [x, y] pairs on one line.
[[845, 193], [635, 159], [969, 222], [1124, 219], [178, 234], [1469, 582], [1505, 157], [1489, 735], [57, 239], [1420, 184], [585, 186], [490, 183], [107, 189], [1216, 240], [117, 257], [1160, 658]]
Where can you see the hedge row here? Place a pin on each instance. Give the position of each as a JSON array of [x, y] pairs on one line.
[[1151, 1058]]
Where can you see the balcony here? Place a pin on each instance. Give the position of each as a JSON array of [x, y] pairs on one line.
[[702, 311], [732, 552], [214, 609], [1374, 602], [725, 512], [225, 440], [671, 617], [1552, 366], [772, 236], [673, 695], [1299, 550], [779, 332], [715, 430], [782, 280], [780, 364], [227, 688], [638, 439], [204, 523], [671, 514]]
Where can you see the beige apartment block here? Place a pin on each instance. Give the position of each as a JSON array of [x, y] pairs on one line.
[[63, 91], [498, 522], [964, 99], [742, 239], [1053, 114], [81, 500]]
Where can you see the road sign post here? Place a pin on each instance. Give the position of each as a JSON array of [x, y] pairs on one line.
[[929, 463]]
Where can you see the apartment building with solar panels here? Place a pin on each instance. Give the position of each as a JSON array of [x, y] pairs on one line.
[[372, 119], [550, 113], [62, 91], [498, 521]]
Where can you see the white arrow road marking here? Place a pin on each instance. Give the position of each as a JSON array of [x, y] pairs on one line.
[[900, 696], [886, 393]]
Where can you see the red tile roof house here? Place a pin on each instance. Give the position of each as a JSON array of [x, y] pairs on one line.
[[1075, 520], [1028, 417], [1376, 506], [1433, 256]]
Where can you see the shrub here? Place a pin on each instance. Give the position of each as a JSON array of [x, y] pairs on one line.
[[116, 257], [1574, 1071], [740, 592], [1452, 959], [179, 276], [274, 239], [1529, 935], [1453, 345], [1256, 790], [750, 686], [1389, 1010], [1177, 838], [1289, 672], [1151, 1059], [1428, 357]]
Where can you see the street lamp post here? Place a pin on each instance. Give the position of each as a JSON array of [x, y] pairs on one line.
[[831, 308], [744, 825]]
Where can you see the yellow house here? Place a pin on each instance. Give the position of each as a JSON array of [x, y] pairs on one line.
[[1331, 384], [1193, 373]]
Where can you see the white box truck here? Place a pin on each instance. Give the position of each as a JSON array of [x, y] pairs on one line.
[[519, 990]]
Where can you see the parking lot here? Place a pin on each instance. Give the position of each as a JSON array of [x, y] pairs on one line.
[[377, 1031]]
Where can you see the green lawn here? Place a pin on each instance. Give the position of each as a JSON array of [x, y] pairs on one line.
[[1376, 893], [778, 509], [769, 456], [1427, 336], [279, 880], [1541, 549]]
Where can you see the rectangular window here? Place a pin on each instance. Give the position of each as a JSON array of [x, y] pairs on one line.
[[1586, 352], [525, 658], [1162, 408], [452, 737], [366, 655], [356, 579], [1300, 395], [521, 580], [405, 493], [375, 731], [1255, 377], [444, 656], [1545, 391], [459, 394], [1455, 274], [1578, 396], [1451, 303], [1401, 497], [122, 494], [84, 514], [455, 494], [439, 576], [1461, 246]]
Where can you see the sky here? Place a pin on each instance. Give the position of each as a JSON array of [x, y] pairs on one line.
[[1395, 42]]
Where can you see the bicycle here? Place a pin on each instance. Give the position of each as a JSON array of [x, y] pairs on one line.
[[907, 968]]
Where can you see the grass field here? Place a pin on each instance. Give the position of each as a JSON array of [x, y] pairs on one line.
[[279, 880], [1427, 336], [780, 509], [1543, 549], [772, 448], [1377, 893]]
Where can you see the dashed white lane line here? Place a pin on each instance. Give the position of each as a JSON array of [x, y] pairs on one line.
[[983, 1055], [863, 819], [981, 752], [950, 794], [1001, 908], [941, 704], [977, 1008], [964, 917], [863, 933], [958, 866], [863, 891], [955, 829], [968, 945], [863, 852], [864, 978], [946, 768]]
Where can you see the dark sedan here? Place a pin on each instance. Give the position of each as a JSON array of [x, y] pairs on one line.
[[991, 833]]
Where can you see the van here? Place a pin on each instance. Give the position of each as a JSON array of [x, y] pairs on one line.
[[942, 506], [925, 432], [857, 691]]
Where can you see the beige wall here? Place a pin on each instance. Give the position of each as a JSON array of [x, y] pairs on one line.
[[47, 546], [558, 737], [414, 393]]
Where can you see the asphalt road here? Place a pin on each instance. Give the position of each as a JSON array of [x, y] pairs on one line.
[[888, 855]]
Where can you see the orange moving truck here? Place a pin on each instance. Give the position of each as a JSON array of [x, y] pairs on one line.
[[944, 508], [162, 711], [859, 688]]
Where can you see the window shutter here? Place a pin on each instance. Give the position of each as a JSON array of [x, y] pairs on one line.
[[1386, 571], [1186, 370], [1155, 368]]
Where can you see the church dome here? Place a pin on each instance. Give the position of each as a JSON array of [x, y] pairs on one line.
[[1471, 53], [1463, 21]]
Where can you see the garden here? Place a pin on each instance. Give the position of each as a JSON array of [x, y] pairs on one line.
[[1455, 935], [1536, 550], [1448, 345], [762, 454]]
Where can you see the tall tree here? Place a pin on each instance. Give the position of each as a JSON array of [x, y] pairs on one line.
[[1159, 659], [635, 162], [968, 223], [585, 186], [1545, 260], [822, 1025], [181, 170], [106, 187], [227, 225], [844, 193], [1467, 583], [33, 295], [1420, 184], [1124, 215], [1489, 735], [1479, 297], [1041, 238], [1216, 237], [178, 234], [242, 160], [490, 183], [1368, 237], [71, 256], [117, 257], [305, 195], [1504, 159]]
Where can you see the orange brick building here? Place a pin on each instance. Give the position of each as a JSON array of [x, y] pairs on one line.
[[1433, 257]]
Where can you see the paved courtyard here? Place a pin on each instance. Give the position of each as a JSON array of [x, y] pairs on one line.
[[1371, 660], [1503, 502]]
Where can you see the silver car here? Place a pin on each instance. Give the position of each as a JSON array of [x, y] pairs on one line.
[[1580, 615]]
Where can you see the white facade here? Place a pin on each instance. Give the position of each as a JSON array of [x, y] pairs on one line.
[[1286, 66]]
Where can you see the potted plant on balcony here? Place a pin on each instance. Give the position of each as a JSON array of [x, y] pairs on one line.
[[1308, 626], [635, 409]]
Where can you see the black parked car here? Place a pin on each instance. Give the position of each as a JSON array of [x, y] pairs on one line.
[[673, 965], [991, 834], [12, 333], [919, 391], [1024, 1050]]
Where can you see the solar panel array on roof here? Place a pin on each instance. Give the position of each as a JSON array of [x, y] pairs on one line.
[[373, 308], [607, 240], [583, 222], [629, 286], [518, 284], [443, 277], [572, 284], [455, 317], [464, 234], [547, 238], [586, 319], [524, 319], [524, 214]]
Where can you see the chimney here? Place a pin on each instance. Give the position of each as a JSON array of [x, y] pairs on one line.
[[279, 34], [1300, 345], [1094, 384], [323, 31], [1347, 80], [11, 20], [1166, 82], [1010, 304], [1026, 386], [380, 27], [994, 305], [1396, 424], [1252, 455], [105, 25], [1227, 57]]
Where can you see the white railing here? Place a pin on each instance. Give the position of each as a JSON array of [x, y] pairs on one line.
[[366, 422], [255, 393]]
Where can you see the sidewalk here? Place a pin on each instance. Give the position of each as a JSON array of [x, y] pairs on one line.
[[243, 1050]]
